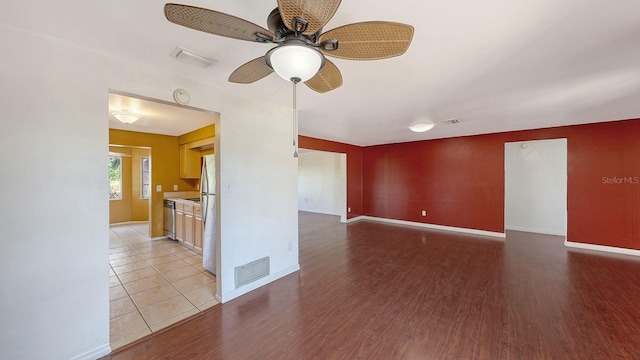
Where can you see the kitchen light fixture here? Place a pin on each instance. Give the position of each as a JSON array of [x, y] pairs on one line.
[[295, 61], [421, 127], [126, 116]]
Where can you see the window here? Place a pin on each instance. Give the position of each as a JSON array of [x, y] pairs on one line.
[[145, 181], [115, 178]]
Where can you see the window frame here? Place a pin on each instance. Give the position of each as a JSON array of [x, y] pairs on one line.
[[111, 198], [142, 172]]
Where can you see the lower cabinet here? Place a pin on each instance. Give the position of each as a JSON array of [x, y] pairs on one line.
[[189, 225], [180, 222], [197, 230]]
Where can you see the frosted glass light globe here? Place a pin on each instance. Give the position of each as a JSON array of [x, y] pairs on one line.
[[295, 61]]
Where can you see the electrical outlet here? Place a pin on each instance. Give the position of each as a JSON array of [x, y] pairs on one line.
[[348, 209], [175, 187], [424, 212], [158, 188]]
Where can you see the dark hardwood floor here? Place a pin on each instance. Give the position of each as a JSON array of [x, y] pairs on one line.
[[368, 290]]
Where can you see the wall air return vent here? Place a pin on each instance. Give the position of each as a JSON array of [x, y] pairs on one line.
[[191, 57], [452, 121], [252, 271]]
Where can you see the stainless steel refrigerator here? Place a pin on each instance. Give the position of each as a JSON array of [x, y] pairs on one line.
[[208, 202]]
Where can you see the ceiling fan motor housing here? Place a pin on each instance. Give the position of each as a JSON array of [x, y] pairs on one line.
[[277, 26]]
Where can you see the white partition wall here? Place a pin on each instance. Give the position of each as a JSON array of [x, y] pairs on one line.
[[256, 192], [53, 150], [536, 186]]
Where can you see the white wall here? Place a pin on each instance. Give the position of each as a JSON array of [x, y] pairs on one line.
[[54, 141], [322, 182], [256, 189], [536, 186]]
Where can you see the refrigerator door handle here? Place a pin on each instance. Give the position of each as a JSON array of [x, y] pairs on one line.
[[204, 200], [204, 179]]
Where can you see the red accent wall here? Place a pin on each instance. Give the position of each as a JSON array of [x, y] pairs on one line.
[[354, 168], [460, 181]]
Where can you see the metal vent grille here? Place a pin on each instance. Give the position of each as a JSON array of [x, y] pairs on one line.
[[452, 121], [191, 57], [252, 271]]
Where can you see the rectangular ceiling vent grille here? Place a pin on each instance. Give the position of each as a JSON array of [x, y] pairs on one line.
[[252, 271], [191, 57], [452, 121]]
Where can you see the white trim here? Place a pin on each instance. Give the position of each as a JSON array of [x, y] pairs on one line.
[[610, 249], [129, 223], [319, 212], [96, 353], [436, 227], [357, 218], [535, 230], [256, 284]]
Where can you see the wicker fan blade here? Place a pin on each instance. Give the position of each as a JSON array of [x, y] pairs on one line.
[[215, 22], [370, 40], [250, 72], [316, 12], [327, 79]]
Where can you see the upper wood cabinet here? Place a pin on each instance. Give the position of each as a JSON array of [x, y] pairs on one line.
[[189, 163]]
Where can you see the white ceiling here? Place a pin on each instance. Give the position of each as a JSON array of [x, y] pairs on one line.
[[157, 117], [497, 65]]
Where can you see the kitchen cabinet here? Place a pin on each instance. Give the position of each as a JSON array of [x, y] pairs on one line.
[[188, 224], [180, 222], [197, 228], [189, 163]]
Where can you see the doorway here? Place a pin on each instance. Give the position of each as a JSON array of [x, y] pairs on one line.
[[322, 183], [155, 281], [536, 186]]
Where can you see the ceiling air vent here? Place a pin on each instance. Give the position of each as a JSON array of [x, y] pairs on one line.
[[452, 121], [191, 57]]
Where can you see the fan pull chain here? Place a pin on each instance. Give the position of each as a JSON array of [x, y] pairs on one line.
[[295, 82]]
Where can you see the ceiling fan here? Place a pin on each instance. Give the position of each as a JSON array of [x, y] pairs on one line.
[[295, 26]]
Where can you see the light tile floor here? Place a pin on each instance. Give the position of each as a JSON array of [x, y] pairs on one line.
[[153, 284]]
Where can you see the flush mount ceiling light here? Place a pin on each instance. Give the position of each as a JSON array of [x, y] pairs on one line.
[[293, 61], [126, 116], [421, 127]]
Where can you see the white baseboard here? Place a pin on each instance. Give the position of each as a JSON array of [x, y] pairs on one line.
[[159, 238], [96, 353], [357, 218], [435, 227], [610, 249], [129, 223], [535, 230], [256, 284], [315, 211]]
